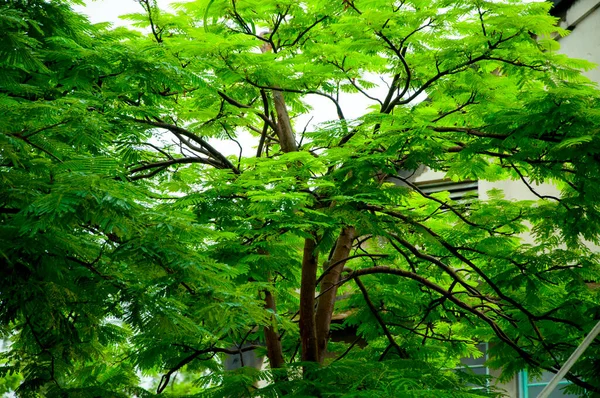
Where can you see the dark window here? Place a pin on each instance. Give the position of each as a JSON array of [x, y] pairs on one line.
[[476, 365]]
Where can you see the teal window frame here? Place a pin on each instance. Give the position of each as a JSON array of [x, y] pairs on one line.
[[524, 384]]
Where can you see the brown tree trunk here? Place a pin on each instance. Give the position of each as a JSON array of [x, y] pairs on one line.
[[308, 331], [287, 141], [329, 289], [314, 326], [274, 351]]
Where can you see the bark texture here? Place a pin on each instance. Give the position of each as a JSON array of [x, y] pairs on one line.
[[329, 289], [274, 351], [308, 331], [287, 141]]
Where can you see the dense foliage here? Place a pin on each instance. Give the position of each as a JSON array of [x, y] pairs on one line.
[[130, 246]]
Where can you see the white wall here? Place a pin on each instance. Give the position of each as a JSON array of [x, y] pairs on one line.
[[583, 19]]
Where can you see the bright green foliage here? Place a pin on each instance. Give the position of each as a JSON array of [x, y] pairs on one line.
[[130, 246]]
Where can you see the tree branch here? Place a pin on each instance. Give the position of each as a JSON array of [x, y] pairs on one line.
[[292, 90], [344, 260], [167, 163], [156, 31], [439, 264], [164, 380], [448, 206], [305, 31], [225, 163], [274, 350], [348, 349], [401, 352], [263, 133], [533, 190], [431, 285], [237, 104], [456, 69], [398, 52], [456, 253]]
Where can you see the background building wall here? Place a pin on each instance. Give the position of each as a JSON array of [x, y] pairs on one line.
[[582, 17]]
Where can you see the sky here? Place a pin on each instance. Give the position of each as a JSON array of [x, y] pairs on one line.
[[109, 10]]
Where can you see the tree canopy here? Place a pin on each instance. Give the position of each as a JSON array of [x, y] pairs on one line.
[[131, 246]]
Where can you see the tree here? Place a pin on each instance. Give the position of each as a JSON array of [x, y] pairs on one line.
[[131, 244]]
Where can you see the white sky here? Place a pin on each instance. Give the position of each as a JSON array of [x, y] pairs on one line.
[[109, 10]]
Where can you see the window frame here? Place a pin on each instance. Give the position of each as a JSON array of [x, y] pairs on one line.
[[525, 383], [484, 366]]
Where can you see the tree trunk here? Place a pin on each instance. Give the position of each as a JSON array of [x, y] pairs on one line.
[[274, 351], [308, 331], [329, 289], [287, 141]]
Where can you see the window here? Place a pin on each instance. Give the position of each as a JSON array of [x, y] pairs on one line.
[[476, 365], [532, 386]]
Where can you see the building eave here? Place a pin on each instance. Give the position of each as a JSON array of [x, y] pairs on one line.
[[560, 7]]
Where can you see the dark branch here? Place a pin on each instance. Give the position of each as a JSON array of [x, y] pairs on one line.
[[291, 90], [171, 162], [305, 31], [401, 352], [43, 129], [164, 380], [148, 175], [263, 133], [237, 104], [224, 162], [330, 267], [398, 52], [450, 296], [515, 168], [348, 349]]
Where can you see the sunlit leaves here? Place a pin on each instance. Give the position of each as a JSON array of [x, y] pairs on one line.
[[108, 272]]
